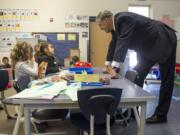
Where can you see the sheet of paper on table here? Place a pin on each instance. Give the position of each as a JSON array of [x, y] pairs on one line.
[[71, 91], [45, 91]]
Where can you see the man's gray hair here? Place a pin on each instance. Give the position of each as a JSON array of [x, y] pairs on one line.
[[104, 14]]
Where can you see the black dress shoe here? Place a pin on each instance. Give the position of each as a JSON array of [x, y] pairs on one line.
[[41, 127], [155, 119], [1, 108]]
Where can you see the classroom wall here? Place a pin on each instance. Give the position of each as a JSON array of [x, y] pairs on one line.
[[58, 9]]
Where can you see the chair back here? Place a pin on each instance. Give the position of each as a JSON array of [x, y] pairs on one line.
[[131, 75], [21, 83], [99, 102], [4, 79]]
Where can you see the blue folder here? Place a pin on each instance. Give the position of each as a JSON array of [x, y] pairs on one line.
[[88, 83]]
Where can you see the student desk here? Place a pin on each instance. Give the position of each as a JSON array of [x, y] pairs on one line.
[[132, 96]]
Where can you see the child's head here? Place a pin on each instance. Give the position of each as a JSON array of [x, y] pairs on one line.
[[5, 60], [46, 48], [75, 59], [22, 51]]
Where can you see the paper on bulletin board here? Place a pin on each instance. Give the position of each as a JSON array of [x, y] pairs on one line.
[[72, 37], [86, 77], [60, 36]]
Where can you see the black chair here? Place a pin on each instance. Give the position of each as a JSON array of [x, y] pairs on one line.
[[131, 75], [21, 84], [4, 80], [97, 107]]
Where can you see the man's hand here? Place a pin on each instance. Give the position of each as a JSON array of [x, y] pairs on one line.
[[106, 70], [113, 73]]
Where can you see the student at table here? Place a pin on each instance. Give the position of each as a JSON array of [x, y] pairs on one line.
[[46, 54], [23, 60]]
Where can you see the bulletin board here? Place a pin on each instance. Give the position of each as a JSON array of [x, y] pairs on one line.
[[62, 43]]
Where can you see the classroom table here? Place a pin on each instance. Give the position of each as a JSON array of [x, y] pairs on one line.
[[132, 96]]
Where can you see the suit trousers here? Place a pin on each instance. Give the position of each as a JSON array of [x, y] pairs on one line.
[[167, 70]]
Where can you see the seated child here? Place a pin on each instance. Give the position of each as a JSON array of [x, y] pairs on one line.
[[47, 55], [74, 60], [23, 61], [5, 62]]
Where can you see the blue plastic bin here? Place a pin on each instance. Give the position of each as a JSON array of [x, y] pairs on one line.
[[80, 70]]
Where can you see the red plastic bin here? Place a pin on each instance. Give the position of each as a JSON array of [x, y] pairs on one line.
[[177, 68]]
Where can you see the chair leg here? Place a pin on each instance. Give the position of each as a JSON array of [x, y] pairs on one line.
[[38, 127], [91, 125], [128, 117], [18, 121], [129, 114], [108, 132], [34, 125], [124, 120], [4, 106]]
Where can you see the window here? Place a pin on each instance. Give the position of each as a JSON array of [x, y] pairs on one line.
[[142, 10]]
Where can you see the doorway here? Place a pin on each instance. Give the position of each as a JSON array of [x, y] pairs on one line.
[[99, 42]]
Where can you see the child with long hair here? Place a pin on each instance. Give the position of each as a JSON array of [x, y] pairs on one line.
[[47, 55], [23, 61]]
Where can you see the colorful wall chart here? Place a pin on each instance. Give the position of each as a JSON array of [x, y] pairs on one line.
[[11, 20]]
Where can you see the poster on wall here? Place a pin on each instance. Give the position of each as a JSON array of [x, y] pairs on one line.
[[61, 37], [12, 20], [76, 21], [85, 34], [71, 37], [8, 40], [6, 43]]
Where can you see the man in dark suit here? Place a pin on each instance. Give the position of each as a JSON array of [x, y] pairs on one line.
[[154, 43]]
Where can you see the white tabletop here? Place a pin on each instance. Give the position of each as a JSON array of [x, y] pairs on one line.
[[131, 93]]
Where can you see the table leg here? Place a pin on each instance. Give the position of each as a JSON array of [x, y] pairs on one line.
[[27, 121], [142, 119], [18, 120], [136, 114]]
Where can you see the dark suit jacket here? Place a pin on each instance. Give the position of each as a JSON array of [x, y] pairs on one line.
[[112, 46], [149, 38]]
